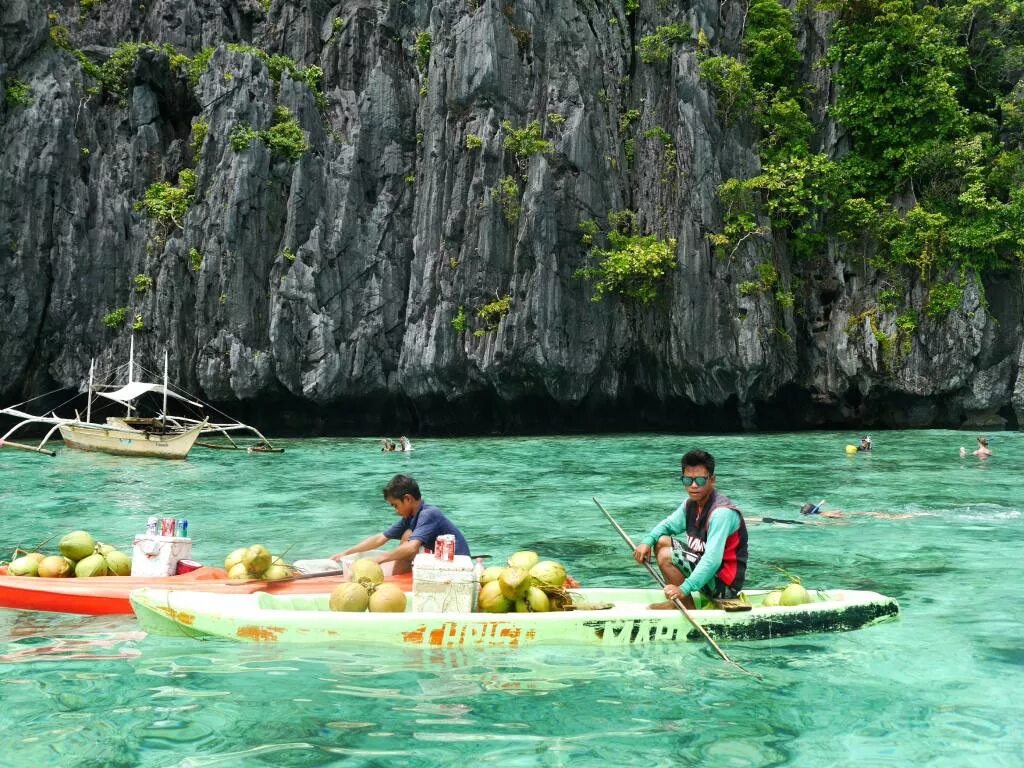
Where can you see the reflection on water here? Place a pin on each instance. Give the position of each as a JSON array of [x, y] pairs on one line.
[[937, 687]]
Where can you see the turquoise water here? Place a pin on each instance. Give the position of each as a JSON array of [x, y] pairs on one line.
[[938, 687]]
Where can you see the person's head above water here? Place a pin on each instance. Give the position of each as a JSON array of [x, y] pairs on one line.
[[810, 509], [983, 441]]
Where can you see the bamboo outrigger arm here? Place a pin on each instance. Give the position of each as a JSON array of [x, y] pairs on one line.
[[264, 446], [27, 418]]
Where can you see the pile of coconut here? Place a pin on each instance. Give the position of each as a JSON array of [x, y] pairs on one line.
[[80, 555], [256, 562], [368, 591], [525, 584]]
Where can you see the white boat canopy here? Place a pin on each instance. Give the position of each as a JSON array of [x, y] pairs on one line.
[[130, 392]]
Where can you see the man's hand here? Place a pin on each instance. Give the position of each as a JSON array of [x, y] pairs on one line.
[[672, 592], [642, 553]]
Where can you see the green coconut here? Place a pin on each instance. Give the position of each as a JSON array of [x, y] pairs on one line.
[[772, 599], [92, 565], [514, 583], [350, 596], [524, 559], [491, 599], [118, 563], [537, 600], [548, 572], [26, 565], [278, 571], [387, 598], [491, 574], [794, 594], [234, 558], [367, 572], [257, 559], [105, 549], [56, 567], [238, 571], [77, 545]]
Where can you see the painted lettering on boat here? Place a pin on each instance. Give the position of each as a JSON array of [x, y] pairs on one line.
[[633, 631], [459, 633], [260, 634]]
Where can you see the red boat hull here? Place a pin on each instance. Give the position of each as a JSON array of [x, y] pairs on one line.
[[102, 595]]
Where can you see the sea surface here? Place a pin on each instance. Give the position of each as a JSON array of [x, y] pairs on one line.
[[940, 686]]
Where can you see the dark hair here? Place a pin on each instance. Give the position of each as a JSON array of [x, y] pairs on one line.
[[983, 441], [401, 485], [699, 459], [807, 509]]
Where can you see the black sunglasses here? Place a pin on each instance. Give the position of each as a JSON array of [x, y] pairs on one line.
[[700, 480]]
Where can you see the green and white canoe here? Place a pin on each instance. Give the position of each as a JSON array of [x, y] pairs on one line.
[[267, 618]]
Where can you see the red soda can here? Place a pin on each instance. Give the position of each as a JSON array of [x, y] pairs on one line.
[[168, 526], [448, 553]]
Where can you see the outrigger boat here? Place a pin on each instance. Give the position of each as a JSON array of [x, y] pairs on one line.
[[603, 617], [162, 436]]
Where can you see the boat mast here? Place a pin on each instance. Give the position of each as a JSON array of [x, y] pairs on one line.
[[88, 403], [163, 412], [131, 367]]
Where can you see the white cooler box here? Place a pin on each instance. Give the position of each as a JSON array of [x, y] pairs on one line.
[[159, 555], [443, 586]]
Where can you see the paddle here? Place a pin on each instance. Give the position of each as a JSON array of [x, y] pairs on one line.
[[676, 601]]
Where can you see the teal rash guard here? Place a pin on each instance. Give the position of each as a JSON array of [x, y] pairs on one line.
[[723, 523]]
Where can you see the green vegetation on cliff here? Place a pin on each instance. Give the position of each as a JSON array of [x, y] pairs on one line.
[[931, 99]]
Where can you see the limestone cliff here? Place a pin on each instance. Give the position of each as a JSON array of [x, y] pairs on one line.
[[320, 290]]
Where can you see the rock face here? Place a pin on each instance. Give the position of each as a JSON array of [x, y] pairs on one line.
[[319, 293]]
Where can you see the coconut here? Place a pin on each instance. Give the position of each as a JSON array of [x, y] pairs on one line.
[[387, 598], [548, 572], [491, 574], [349, 596], [491, 600], [537, 600], [794, 594], [524, 559], [118, 563], [367, 572], [56, 567], [771, 600], [105, 549], [26, 565], [277, 571], [93, 565], [238, 571], [77, 545], [257, 559], [514, 583], [234, 558]]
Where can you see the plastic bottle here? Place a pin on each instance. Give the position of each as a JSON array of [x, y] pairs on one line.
[[183, 528]]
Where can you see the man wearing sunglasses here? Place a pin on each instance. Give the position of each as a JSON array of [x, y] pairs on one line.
[[702, 546]]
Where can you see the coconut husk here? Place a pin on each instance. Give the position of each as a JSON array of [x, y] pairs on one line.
[[559, 599]]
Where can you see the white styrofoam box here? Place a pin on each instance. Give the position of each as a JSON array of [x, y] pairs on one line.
[[159, 555], [443, 586], [346, 561]]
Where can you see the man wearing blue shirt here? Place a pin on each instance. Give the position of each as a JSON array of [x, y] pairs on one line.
[[702, 546], [419, 527]]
